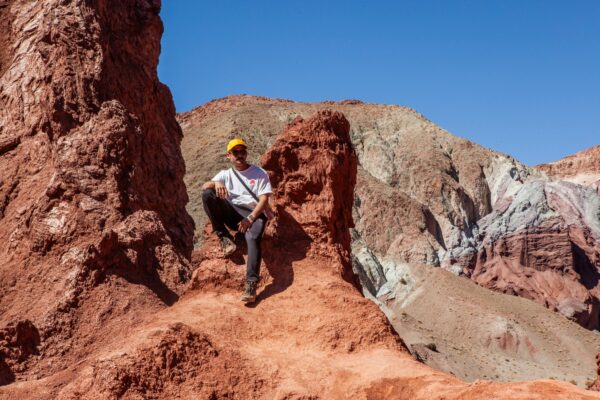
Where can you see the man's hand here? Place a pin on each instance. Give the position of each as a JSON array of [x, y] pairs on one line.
[[244, 225], [220, 190]]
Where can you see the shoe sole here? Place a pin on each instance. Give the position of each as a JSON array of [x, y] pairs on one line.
[[248, 299], [229, 250]]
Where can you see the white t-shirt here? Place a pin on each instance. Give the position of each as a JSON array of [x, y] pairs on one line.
[[255, 178]]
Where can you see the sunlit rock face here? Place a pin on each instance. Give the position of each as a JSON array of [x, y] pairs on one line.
[[582, 168], [541, 244]]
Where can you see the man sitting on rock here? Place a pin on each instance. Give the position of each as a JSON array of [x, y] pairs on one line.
[[238, 197]]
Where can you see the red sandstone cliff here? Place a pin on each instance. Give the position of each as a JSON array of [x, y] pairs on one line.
[[296, 163], [91, 193]]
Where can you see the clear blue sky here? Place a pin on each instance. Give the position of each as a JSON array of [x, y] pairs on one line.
[[518, 76]]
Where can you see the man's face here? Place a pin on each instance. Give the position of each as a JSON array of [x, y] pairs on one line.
[[237, 155]]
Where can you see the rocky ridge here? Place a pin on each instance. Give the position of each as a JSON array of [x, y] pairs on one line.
[[582, 168]]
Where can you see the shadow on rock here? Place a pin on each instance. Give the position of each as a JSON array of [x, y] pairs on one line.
[[148, 277], [140, 266], [6, 374], [585, 267], [18, 342], [285, 242]]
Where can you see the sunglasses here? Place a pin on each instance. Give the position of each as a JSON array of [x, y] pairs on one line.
[[238, 152]]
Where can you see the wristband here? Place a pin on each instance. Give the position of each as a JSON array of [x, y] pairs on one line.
[[250, 218]]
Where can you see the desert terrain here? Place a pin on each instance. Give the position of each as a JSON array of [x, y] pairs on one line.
[[112, 286]]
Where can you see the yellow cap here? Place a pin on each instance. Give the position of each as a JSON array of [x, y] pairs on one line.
[[235, 142]]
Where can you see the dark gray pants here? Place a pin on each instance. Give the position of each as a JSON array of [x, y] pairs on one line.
[[221, 213]]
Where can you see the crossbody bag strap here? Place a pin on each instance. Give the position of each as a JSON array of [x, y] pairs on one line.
[[268, 213], [244, 183]]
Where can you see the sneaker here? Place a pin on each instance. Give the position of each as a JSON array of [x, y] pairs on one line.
[[249, 295], [227, 245]]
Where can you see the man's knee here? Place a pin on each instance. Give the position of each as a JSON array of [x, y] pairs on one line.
[[254, 233], [208, 194]]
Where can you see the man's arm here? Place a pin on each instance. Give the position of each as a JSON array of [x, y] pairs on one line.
[[219, 188], [263, 200], [244, 224], [208, 185]]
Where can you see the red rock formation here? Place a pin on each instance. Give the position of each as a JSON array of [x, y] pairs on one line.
[[91, 193], [549, 267], [542, 245], [17, 343], [313, 162], [302, 297], [312, 166], [179, 357]]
